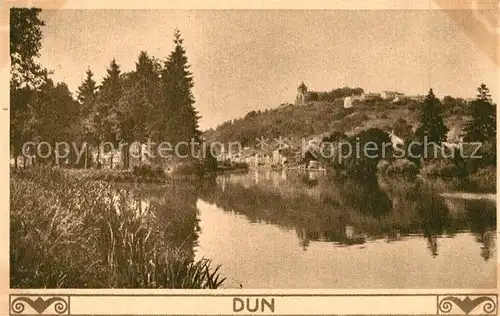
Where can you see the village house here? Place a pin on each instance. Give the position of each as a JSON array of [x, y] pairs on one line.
[[454, 135], [278, 158], [348, 101], [390, 95], [369, 96]]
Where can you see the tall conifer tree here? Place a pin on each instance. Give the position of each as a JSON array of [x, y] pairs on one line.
[[432, 124], [87, 97], [177, 84], [482, 126], [87, 93]]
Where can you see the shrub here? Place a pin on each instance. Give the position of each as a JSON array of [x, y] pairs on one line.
[[240, 165], [382, 166], [440, 168], [148, 171], [485, 179], [190, 167], [413, 105], [402, 167]]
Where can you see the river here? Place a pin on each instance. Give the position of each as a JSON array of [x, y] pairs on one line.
[[300, 230]]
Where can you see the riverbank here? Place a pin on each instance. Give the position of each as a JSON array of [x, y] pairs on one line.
[[69, 231], [146, 174]]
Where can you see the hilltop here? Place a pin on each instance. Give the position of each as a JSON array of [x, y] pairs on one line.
[[295, 122]]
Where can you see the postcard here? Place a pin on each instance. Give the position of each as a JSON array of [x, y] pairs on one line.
[[241, 158]]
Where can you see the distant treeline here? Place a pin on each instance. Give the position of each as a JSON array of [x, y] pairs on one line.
[[334, 94]]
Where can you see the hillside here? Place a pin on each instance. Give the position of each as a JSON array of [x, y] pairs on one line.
[[297, 122]]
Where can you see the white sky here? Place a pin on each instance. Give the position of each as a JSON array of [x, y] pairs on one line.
[[249, 60]]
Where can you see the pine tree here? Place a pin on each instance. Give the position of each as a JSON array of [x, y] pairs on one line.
[[135, 110], [143, 99], [482, 126], [110, 92], [87, 96], [87, 93], [432, 124], [100, 121], [111, 89], [177, 81]]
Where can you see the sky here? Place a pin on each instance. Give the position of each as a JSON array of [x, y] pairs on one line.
[[250, 60]]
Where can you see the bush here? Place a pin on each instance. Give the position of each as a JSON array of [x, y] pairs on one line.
[[441, 168], [413, 105], [148, 171], [240, 165], [382, 166], [402, 167], [485, 179], [188, 168]]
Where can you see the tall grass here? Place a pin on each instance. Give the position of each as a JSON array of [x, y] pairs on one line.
[[69, 232]]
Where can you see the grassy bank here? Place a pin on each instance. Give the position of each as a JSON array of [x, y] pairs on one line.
[[186, 170], [72, 232]]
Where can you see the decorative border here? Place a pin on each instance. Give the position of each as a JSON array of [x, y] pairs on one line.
[[489, 304], [40, 304], [56, 305]]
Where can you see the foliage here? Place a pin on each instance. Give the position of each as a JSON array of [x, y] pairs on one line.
[[440, 168], [25, 45], [372, 144], [482, 126], [335, 94], [26, 74], [453, 106], [402, 167], [292, 122], [148, 171], [402, 129], [177, 82], [432, 124], [87, 94], [99, 121], [209, 162], [70, 232], [153, 102], [188, 167], [485, 179]]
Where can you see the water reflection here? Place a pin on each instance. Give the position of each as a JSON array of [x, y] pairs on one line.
[[302, 229], [348, 212], [174, 207]]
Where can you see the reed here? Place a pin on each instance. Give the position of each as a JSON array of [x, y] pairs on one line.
[[69, 232]]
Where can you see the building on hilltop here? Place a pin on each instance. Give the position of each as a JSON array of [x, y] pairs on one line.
[[368, 96], [301, 94], [391, 95], [349, 101]]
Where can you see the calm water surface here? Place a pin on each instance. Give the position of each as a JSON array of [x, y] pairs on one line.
[[302, 230]]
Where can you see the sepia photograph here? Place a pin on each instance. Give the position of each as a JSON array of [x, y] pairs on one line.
[[252, 149]]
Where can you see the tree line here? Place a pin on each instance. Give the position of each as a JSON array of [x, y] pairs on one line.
[[334, 94], [153, 102], [480, 128]]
